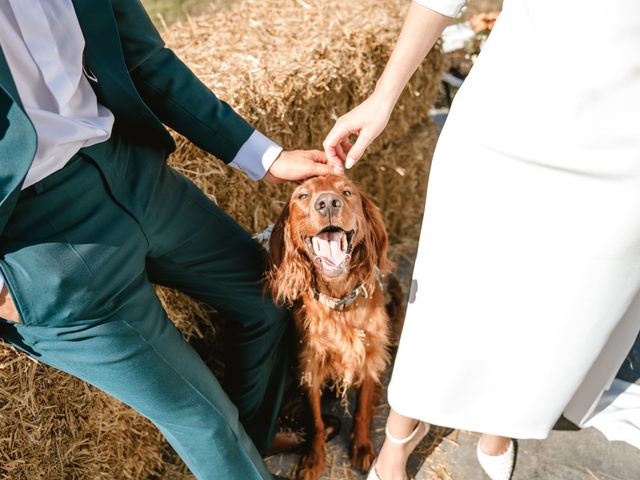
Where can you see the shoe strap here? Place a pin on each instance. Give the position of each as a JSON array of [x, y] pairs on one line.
[[402, 441]]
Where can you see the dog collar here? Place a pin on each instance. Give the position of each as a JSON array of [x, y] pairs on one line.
[[340, 304]]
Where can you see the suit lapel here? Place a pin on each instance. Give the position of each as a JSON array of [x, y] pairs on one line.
[[114, 87], [6, 80], [101, 41], [18, 142], [103, 53]]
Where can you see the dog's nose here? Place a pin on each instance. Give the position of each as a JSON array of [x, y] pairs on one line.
[[328, 204]]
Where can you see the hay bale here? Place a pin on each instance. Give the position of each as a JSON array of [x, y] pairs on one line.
[[290, 67], [293, 84], [54, 426]]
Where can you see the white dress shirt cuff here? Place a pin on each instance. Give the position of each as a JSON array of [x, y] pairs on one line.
[[450, 8], [256, 156], [1, 282]]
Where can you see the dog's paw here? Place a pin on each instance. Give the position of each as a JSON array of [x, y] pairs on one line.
[[362, 455], [311, 466]]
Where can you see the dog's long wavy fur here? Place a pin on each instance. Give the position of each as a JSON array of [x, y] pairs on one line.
[[344, 348]]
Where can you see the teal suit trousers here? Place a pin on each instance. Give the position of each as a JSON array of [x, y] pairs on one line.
[[80, 257]]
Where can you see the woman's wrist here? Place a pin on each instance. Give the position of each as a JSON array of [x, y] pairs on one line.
[[384, 99]]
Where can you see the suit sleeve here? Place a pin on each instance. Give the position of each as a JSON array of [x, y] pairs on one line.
[[182, 101]]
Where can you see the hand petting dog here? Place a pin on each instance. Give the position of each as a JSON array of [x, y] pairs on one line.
[[298, 165]]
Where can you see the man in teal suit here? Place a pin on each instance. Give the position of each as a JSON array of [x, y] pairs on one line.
[[91, 216]]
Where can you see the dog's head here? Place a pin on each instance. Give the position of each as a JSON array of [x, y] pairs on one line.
[[327, 230]]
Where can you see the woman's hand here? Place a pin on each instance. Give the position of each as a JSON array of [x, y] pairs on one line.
[[298, 165], [421, 29], [8, 309], [366, 122]]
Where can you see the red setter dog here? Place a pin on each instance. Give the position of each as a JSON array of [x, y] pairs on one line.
[[328, 250]]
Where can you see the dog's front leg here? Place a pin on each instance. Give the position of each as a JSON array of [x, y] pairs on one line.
[[362, 450], [312, 463]]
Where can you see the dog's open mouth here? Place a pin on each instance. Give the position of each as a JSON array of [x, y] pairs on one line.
[[331, 250]]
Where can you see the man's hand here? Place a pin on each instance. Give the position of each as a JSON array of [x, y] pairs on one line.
[[299, 165], [8, 309]]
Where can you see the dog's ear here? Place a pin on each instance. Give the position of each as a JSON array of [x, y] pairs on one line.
[[376, 239], [289, 272], [276, 240]]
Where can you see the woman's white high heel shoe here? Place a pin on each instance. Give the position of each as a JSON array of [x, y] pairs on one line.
[[373, 475], [497, 467]]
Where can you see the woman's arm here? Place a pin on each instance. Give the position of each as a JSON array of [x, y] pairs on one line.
[[421, 29]]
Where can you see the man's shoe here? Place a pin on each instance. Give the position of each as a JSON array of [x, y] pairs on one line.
[[293, 442]]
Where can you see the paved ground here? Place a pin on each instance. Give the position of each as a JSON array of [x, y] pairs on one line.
[[584, 455]]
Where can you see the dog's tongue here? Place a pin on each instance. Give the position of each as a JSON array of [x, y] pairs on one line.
[[331, 247]]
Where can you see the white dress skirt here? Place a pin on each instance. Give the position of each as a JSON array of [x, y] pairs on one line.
[[527, 278]]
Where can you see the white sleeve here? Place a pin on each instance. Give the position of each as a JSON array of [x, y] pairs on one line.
[[450, 8], [1, 281], [256, 155]]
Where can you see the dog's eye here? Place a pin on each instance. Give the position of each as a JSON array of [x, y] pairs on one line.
[[302, 196], [347, 193]]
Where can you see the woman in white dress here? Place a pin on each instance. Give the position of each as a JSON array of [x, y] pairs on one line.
[[528, 269]]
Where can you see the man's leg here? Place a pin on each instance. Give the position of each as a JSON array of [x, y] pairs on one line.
[[138, 356], [198, 249], [74, 263]]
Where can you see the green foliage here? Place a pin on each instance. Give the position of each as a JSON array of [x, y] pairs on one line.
[[172, 10]]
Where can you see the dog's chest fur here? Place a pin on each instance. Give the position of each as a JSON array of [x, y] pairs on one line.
[[341, 347]]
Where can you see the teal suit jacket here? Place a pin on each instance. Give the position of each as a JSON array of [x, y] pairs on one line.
[[141, 81]]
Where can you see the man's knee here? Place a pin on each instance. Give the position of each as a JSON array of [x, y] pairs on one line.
[[261, 319], [276, 316]]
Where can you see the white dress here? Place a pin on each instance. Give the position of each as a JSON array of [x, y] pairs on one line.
[[528, 270]]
